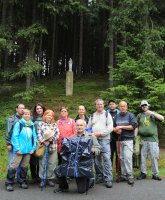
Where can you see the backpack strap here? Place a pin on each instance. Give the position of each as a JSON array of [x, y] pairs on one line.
[[106, 115]]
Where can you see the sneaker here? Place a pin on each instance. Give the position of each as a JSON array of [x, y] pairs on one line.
[[142, 176], [121, 179], [24, 185], [157, 178], [50, 183], [130, 181], [108, 184], [9, 188]]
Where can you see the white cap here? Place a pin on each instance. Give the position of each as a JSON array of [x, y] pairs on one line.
[[144, 102]]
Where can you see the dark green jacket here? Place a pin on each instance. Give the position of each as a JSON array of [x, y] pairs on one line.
[[9, 128]]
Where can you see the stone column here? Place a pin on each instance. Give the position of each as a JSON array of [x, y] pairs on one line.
[[69, 83]]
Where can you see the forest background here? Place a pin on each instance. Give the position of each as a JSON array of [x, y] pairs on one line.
[[117, 48]]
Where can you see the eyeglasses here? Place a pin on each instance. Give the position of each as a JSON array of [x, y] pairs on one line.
[[144, 105]]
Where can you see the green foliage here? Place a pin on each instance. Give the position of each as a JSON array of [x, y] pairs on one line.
[[32, 32], [5, 37], [139, 60], [29, 94], [26, 67], [4, 45]]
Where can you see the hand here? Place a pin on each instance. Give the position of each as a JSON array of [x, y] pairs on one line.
[[31, 152], [50, 139], [9, 148], [46, 143], [149, 112], [97, 134], [117, 130], [19, 153], [93, 149]]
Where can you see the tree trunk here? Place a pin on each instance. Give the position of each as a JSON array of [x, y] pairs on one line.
[[31, 52], [81, 45], [4, 8], [111, 50], [53, 46]]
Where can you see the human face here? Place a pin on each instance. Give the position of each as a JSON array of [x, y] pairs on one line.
[[39, 110], [81, 110], [64, 113], [20, 109], [123, 107], [99, 106], [112, 106], [48, 117], [145, 107], [26, 116], [80, 126]]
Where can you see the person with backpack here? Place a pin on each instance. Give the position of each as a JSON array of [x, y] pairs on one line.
[[37, 114], [124, 125], [148, 131], [66, 127], [101, 124], [11, 121], [24, 144], [114, 138]]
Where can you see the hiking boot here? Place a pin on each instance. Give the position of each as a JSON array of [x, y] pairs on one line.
[[91, 182], [130, 181], [157, 178], [99, 180], [58, 190], [142, 176], [24, 185], [33, 181], [42, 184], [50, 183], [108, 184], [121, 179], [9, 188]]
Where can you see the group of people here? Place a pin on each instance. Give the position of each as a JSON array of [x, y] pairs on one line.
[[112, 132]]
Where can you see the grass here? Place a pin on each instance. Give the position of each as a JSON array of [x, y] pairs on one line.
[[86, 91]]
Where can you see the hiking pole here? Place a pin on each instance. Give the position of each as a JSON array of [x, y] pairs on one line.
[[118, 157], [45, 170]]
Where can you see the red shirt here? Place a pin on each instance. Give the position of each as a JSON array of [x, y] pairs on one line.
[[66, 128]]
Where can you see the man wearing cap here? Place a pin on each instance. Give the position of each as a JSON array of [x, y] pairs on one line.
[[148, 131], [113, 112]]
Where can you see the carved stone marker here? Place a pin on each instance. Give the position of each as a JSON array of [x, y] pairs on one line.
[[69, 80]]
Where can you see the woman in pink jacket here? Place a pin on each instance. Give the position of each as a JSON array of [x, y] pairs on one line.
[[66, 127]]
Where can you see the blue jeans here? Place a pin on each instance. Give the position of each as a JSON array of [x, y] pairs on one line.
[[106, 171], [11, 155]]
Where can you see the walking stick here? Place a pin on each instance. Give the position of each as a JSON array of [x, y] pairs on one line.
[[45, 168], [118, 152]]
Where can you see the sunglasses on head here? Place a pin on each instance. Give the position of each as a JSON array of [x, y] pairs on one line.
[[144, 105]]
